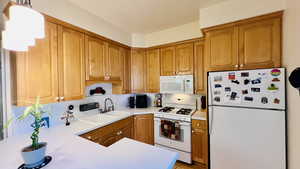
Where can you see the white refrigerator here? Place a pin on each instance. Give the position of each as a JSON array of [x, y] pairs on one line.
[[247, 119]]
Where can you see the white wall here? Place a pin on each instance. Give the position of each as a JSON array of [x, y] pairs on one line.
[[70, 13], [233, 10], [291, 60], [179, 33]]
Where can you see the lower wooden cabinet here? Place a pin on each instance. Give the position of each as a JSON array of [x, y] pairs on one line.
[[200, 141], [110, 134], [144, 128]]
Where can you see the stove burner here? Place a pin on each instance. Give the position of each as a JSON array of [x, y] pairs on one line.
[[184, 111], [166, 109]]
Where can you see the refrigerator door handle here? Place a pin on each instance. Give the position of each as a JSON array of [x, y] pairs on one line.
[[211, 120]]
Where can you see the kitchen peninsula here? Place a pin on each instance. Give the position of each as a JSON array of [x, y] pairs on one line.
[[70, 151]]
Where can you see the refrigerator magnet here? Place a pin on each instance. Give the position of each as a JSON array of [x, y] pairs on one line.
[[227, 89], [235, 82], [231, 76], [264, 100], [218, 78], [217, 99], [246, 81], [275, 72], [275, 79], [273, 87], [250, 99], [218, 86], [217, 92], [276, 101], [256, 90], [233, 96], [256, 81], [245, 74], [244, 91]]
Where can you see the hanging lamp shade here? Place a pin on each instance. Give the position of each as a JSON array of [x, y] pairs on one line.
[[24, 26]]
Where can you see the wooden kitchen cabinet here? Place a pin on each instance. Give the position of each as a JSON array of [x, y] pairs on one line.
[[144, 128], [71, 64], [199, 75], [247, 44], [260, 44], [95, 54], [112, 133], [138, 71], [153, 71], [185, 59], [126, 88], [221, 49], [114, 62], [167, 61], [34, 73], [200, 141]]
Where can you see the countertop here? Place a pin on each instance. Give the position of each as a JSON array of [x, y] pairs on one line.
[[71, 151], [199, 115]]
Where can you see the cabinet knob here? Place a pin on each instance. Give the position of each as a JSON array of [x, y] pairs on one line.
[[62, 98], [236, 66], [57, 98], [89, 137], [242, 65], [193, 131]]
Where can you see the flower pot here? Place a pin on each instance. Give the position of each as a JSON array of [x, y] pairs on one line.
[[33, 157]]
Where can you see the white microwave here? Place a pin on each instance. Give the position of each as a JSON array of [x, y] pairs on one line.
[[177, 84]]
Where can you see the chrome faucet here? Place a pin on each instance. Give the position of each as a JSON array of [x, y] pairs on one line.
[[106, 107]]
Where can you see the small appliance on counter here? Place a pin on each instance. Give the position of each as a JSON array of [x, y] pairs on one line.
[[141, 101], [131, 102], [89, 106]]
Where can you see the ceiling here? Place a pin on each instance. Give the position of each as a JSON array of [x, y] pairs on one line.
[[145, 16]]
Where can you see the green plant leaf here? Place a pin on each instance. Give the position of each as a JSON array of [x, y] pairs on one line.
[[26, 113]]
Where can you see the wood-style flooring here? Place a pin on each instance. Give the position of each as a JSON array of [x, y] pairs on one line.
[[180, 165]]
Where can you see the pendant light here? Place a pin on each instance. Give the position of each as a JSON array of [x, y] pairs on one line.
[[24, 26]]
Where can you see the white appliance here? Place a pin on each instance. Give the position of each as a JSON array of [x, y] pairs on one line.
[[175, 113], [177, 84], [247, 116]]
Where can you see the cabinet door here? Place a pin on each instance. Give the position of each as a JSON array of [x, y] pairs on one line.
[[34, 72], [260, 44], [185, 59], [144, 128], [168, 66], [126, 74], [95, 53], [108, 139], [138, 71], [153, 71], [200, 142], [200, 76], [71, 64], [221, 49], [114, 62]]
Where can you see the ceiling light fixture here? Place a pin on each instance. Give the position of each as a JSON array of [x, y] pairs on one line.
[[23, 27]]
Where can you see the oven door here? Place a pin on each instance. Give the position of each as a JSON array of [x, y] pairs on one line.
[[184, 144]]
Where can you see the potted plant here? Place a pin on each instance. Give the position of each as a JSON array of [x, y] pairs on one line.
[[34, 154]]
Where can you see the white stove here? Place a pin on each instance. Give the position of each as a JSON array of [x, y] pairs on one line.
[[179, 114]]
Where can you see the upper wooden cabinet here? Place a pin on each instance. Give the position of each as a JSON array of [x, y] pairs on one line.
[[34, 73], [185, 59], [115, 62], [138, 71], [248, 44], [167, 61], [126, 71], [199, 74], [144, 128], [260, 44], [95, 54], [71, 64], [221, 50], [153, 71]]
